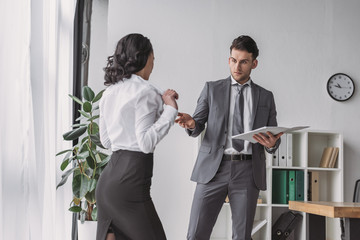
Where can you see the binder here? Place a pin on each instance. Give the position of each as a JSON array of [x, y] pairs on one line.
[[282, 151], [275, 156], [280, 186], [333, 157], [292, 191], [313, 186], [325, 158], [299, 185], [289, 151]]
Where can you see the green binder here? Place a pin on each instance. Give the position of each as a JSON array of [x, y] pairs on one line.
[[292, 191], [280, 186], [299, 186]]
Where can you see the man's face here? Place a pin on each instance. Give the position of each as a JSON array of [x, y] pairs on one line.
[[241, 63]]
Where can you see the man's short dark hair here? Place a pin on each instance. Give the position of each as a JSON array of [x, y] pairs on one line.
[[244, 42]]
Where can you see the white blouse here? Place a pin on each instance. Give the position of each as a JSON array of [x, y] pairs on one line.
[[132, 116]]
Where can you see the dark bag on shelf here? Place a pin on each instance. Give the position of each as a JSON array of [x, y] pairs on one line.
[[285, 225]]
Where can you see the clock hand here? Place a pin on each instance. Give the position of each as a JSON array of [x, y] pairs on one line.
[[338, 86]]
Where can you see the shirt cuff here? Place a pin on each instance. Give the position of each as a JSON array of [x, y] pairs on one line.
[[170, 113]]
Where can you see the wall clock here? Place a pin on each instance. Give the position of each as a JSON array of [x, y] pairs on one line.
[[340, 87]]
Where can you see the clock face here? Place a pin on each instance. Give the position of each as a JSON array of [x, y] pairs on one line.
[[340, 87]]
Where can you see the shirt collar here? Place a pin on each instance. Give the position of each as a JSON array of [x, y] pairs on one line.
[[234, 82]]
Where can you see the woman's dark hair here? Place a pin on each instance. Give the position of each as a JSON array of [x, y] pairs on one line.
[[131, 55], [244, 42]]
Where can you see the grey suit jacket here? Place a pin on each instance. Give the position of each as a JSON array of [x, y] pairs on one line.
[[213, 109]]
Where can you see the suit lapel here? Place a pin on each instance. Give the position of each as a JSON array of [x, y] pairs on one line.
[[255, 96], [226, 88]]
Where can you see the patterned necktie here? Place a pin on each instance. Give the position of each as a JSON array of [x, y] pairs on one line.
[[238, 118]]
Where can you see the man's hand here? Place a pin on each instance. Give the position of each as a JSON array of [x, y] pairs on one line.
[[185, 120], [169, 97], [268, 140]]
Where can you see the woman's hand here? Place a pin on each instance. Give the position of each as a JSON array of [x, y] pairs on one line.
[[169, 97]]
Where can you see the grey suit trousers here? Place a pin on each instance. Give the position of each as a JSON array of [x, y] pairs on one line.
[[234, 178]]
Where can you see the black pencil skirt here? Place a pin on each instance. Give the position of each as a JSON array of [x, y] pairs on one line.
[[123, 198]]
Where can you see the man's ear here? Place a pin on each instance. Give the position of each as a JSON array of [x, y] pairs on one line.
[[255, 63]]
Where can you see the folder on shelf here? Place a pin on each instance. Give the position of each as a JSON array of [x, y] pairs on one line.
[[333, 157], [313, 186], [299, 185], [289, 155], [280, 187], [275, 158], [292, 191], [325, 158], [282, 151]]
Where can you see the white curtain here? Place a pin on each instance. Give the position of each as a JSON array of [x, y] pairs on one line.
[[35, 78]]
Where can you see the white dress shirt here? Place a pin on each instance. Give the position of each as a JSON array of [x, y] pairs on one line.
[[132, 116], [248, 118]]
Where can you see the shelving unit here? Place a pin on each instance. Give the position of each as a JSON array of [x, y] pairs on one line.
[[307, 149]]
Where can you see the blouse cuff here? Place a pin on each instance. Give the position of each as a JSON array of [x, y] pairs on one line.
[[170, 113]]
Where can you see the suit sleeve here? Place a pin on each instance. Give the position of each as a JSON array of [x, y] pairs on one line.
[[201, 113], [273, 122]]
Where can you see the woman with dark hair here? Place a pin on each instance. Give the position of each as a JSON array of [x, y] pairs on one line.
[[132, 121]]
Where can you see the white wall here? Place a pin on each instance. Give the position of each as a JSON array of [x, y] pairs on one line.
[[302, 43]]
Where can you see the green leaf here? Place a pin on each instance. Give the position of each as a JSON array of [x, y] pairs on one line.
[[95, 138], [84, 114], [93, 128], [88, 94], [90, 197], [76, 185], [93, 118], [64, 164], [98, 96], [79, 118], [103, 155], [98, 158], [65, 176], [62, 152], [90, 162], [104, 161], [87, 107], [83, 142], [80, 185], [79, 125], [85, 185], [76, 99], [94, 214], [75, 209], [93, 184], [83, 155], [74, 134]]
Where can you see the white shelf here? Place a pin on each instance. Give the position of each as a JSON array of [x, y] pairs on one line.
[[307, 151]]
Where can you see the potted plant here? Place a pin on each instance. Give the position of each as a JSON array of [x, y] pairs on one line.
[[85, 159]]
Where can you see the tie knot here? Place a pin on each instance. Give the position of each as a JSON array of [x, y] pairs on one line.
[[240, 88]]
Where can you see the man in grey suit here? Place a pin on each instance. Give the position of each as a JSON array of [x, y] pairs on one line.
[[225, 166]]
